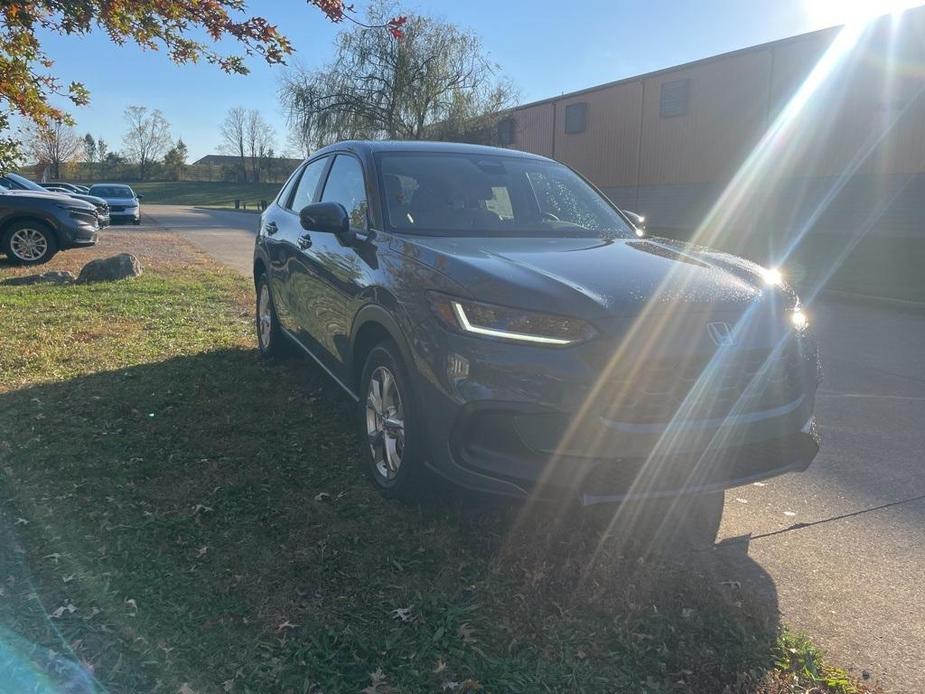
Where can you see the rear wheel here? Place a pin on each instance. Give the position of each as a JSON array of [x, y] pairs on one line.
[[29, 243], [270, 337], [390, 426]]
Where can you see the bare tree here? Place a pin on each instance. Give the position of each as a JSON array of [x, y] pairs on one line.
[[234, 136], [54, 144], [436, 81], [147, 139], [260, 138]]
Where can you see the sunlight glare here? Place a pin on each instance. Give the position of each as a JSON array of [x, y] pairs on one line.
[[824, 12]]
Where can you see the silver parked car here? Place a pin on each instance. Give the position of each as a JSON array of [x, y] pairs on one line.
[[123, 202]]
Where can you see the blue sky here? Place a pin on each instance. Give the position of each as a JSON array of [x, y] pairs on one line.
[[546, 47]]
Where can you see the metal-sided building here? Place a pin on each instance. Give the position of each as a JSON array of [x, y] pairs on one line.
[[785, 147]]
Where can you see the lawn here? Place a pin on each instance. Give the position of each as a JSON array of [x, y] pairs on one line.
[[206, 193], [179, 515]]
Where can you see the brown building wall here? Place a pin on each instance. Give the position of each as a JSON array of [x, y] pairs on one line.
[[607, 151], [534, 128], [679, 164], [726, 115]]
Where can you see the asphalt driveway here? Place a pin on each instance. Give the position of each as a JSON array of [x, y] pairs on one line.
[[843, 542]]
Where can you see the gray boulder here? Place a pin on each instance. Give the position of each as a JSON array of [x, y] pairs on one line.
[[57, 277], [116, 267]]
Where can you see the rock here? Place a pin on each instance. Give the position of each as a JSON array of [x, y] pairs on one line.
[[62, 277], [116, 267]]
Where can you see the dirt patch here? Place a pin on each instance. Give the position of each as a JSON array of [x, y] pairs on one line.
[[157, 250]]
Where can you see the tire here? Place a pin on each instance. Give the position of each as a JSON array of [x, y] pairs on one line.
[[393, 453], [29, 243], [270, 339], [136, 222]]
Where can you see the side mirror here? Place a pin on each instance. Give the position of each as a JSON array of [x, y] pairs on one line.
[[638, 221], [138, 196], [330, 217]]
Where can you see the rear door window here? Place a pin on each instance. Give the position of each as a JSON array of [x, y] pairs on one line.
[[308, 184]]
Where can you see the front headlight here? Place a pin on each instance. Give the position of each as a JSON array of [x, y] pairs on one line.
[[516, 325]]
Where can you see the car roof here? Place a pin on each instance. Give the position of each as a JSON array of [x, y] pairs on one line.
[[374, 146]]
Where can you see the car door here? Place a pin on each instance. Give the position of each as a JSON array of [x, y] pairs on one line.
[[282, 233], [333, 273]]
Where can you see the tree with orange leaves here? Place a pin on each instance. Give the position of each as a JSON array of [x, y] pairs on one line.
[[26, 78]]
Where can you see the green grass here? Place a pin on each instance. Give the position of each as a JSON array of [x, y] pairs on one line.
[[177, 512], [205, 193]]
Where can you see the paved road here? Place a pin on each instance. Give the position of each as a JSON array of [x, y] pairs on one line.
[[226, 235], [844, 542]]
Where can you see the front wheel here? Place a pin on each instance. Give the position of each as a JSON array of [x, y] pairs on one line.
[[390, 426], [29, 243]]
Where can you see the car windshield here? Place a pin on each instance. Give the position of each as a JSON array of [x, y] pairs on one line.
[[453, 194], [112, 191], [25, 182]]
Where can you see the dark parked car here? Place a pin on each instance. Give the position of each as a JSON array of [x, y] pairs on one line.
[[16, 182], [34, 226], [72, 187], [123, 202], [502, 324]]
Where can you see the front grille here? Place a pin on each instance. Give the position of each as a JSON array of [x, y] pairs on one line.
[[703, 387], [117, 208]]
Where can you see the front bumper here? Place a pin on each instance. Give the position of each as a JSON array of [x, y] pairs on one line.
[[76, 234], [518, 420], [127, 215]]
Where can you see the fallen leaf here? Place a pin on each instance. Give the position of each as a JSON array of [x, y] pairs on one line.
[[439, 667], [322, 496], [465, 633], [402, 613], [286, 625]]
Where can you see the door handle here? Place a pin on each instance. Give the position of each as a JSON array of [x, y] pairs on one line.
[[305, 241], [271, 228]]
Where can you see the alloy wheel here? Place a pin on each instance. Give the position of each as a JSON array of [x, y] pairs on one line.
[[28, 244], [264, 317], [385, 423]]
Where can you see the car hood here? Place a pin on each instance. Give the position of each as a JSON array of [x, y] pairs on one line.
[[92, 199], [592, 277]]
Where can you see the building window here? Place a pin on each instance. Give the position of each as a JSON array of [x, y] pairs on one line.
[[506, 132], [576, 117], [674, 98]]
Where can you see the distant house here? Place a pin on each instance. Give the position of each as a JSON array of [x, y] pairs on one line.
[[227, 167], [229, 160]]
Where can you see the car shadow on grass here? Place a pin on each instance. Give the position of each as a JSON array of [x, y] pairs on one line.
[[204, 521]]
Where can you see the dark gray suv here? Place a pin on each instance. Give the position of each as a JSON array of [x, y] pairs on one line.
[[34, 226], [503, 325]]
